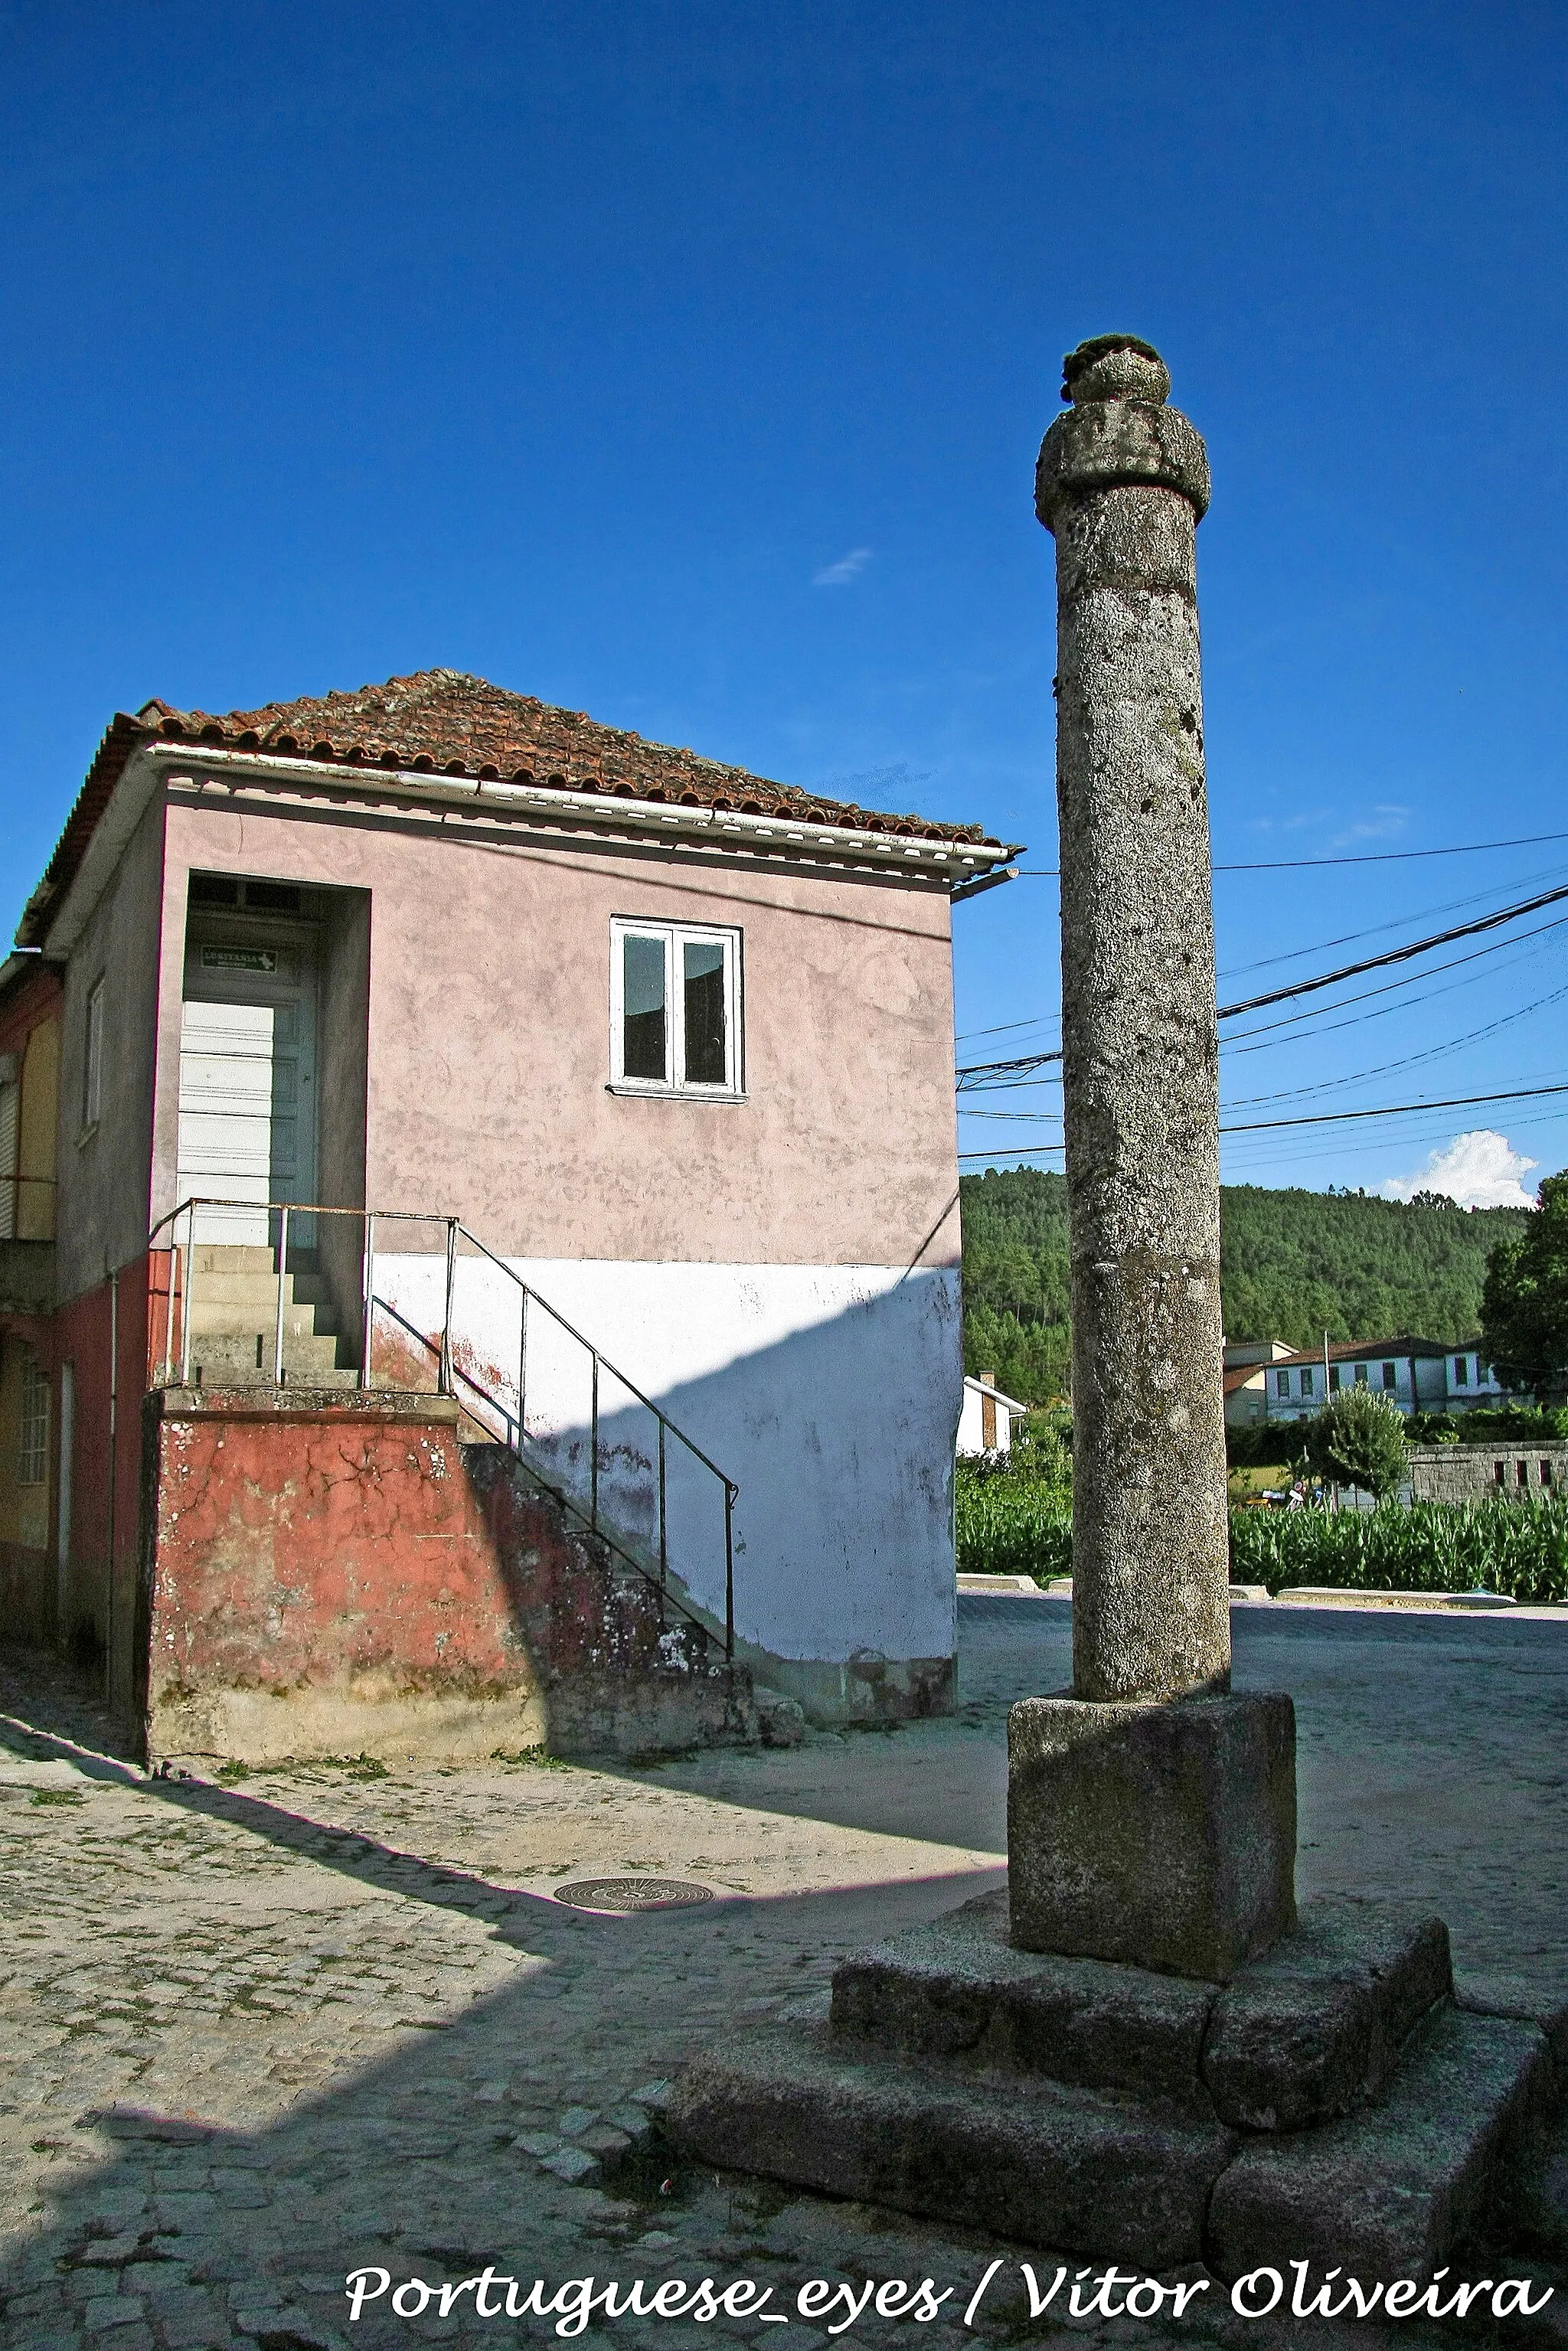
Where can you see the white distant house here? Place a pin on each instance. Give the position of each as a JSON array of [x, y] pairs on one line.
[[986, 1422], [1265, 1380]]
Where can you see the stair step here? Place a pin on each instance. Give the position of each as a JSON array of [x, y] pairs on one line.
[[1386, 2191], [1306, 2032], [1046, 2164], [232, 1257], [228, 1356], [957, 1988], [228, 1287], [225, 1377], [242, 1320]]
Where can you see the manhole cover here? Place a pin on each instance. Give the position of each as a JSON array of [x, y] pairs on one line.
[[632, 1894]]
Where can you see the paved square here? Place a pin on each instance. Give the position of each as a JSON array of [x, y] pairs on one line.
[[257, 2033]]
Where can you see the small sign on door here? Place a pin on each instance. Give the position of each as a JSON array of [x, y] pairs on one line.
[[238, 959]]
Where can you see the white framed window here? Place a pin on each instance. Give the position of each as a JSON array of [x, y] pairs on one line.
[[675, 1009], [92, 1058], [33, 1450], [1308, 1378], [1361, 1375], [1283, 1383]]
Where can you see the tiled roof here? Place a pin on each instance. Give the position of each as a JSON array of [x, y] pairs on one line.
[[443, 722], [1365, 1350]]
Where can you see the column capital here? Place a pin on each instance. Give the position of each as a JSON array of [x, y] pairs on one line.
[[1119, 432]]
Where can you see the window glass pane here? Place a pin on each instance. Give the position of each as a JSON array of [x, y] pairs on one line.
[[93, 1073], [703, 1007], [644, 1025], [33, 1466], [1307, 1380]]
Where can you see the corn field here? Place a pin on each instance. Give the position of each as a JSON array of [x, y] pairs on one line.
[[1009, 1525], [1519, 1547], [1012, 1526]]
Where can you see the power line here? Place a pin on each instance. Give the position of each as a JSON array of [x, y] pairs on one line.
[[1258, 1126], [1396, 955], [1371, 857], [1395, 1110], [1405, 1061], [1024, 1062], [1395, 923], [1389, 988], [1269, 1031]]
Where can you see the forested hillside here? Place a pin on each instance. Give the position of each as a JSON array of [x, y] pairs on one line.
[[1293, 1265]]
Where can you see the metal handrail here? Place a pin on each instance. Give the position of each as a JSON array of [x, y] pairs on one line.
[[561, 1495], [448, 1372]]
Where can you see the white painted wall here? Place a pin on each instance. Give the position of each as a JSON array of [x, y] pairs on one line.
[[830, 1394], [972, 1424]]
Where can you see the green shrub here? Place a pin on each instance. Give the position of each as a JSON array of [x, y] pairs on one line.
[[1483, 1425], [1517, 1548], [1358, 1439]]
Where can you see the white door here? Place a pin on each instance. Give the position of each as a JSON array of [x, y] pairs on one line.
[[247, 1079]]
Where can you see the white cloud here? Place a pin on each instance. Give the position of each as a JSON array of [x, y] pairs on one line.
[[1480, 1170], [848, 567], [1385, 821]]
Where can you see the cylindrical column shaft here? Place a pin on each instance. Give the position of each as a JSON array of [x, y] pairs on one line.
[[1122, 483]]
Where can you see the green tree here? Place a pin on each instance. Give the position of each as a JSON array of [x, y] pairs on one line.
[[1358, 1439], [1524, 1299]]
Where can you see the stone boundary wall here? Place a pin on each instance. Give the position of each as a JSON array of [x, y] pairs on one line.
[[1470, 1473], [329, 1576]]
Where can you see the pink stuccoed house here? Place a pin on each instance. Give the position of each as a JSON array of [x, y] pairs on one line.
[[486, 1268]]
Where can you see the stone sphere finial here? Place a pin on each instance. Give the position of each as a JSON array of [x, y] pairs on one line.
[[1115, 367]]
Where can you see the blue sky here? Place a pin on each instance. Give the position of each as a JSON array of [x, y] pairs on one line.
[[686, 364]]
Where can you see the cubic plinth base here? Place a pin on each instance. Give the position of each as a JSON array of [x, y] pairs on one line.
[[1159, 1834], [1330, 2103]]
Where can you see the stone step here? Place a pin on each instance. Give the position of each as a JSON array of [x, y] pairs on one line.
[[1042, 2163], [1306, 2032], [1315, 2027], [245, 1358], [244, 1319], [957, 1988], [223, 1377], [232, 1257], [1389, 2192], [229, 1287]]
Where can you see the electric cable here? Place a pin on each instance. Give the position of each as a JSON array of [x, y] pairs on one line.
[[1369, 857]]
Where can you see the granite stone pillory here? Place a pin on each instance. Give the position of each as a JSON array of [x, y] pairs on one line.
[[1137, 2050], [1121, 484]]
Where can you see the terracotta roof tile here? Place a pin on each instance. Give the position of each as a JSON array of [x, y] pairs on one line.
[[443, 722]]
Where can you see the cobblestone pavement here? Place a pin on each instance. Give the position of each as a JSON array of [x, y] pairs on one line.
[[257, 2033]]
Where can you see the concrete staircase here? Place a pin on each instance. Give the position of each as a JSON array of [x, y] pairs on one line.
[[233, 1321]]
